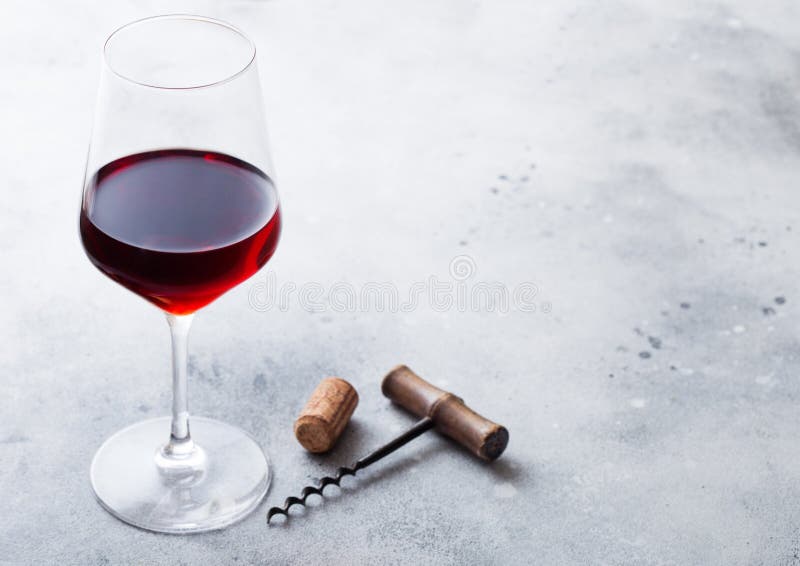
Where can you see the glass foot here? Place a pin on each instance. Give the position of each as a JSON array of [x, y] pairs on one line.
[[215, 485]]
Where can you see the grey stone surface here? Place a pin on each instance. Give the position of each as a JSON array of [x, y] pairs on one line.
[[637, 161]]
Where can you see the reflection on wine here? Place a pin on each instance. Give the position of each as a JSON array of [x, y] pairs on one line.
[[178, 226]]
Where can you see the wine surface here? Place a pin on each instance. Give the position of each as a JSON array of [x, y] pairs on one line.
[[179, 227]]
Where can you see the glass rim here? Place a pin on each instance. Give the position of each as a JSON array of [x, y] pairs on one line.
[[188, 17]]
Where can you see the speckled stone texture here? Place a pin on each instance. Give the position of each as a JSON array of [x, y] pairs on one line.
[[637, 161]]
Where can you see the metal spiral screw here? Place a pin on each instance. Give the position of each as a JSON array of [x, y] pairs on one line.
[[420, 428]]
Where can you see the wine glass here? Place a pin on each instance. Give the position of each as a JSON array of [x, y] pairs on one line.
[[179, 207]]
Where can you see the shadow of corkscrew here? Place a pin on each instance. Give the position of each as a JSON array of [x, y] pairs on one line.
[[506, 470]]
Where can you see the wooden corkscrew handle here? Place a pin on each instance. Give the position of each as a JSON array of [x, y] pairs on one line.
[[453, 418]]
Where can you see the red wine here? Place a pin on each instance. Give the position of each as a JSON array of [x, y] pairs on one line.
[[179, 227]]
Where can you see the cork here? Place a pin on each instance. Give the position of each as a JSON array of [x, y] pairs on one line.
[[327, 412]]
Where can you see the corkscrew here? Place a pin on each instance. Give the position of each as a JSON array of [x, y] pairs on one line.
[[438, 409]]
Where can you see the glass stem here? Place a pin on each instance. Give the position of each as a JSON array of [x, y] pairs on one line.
[[180, 441]]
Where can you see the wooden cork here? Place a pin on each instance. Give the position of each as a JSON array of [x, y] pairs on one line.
[[327, 412]]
